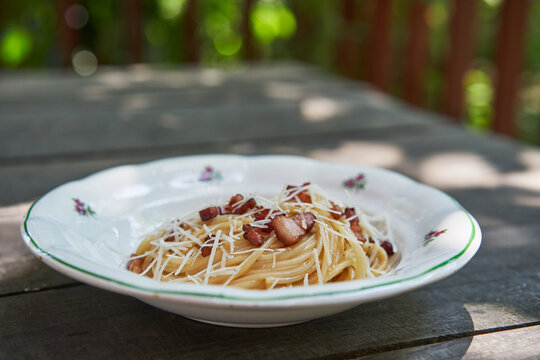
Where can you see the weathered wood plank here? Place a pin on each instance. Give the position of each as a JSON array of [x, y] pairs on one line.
[[519, 343], [473, 300], [79, 132], [20, 270], [496, 181], [111, 102], [31, 177], [21, 86]]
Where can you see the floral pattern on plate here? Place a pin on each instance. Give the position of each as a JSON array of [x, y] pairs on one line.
[[357, 182], [432, 235], [209, 174], [83, 209]]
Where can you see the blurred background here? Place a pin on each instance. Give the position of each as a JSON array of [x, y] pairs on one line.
[[477, 61]]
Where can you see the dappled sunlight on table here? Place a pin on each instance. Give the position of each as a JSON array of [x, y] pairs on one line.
[[13, 213], [483, 313], [283, 90], [458, 170], [362, 153], [317, 109], [530, 158]]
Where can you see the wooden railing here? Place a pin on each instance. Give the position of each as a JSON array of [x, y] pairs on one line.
[[378, 49]]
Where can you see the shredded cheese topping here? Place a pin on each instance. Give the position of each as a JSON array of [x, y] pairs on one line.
[[330, 251]]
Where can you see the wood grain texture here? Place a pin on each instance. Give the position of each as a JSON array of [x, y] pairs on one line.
[[80, 320], [82, 132], [37, 84], [497, 181], [20, 270], [519, 343], [47, 315], [94, 117]]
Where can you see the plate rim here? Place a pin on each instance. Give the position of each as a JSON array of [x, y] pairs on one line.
[[263, 296]]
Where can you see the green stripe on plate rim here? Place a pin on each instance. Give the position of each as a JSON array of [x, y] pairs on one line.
[[269, 298]]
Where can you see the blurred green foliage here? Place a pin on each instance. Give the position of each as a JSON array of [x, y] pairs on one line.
[[16, 45], [282, 29]]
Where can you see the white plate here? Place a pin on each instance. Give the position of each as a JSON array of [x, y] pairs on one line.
[[87, 228]]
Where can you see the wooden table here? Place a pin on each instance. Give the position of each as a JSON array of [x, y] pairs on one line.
[[56, 127]]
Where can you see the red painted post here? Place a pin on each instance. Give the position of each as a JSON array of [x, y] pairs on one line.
[[509, 59], [416, 55], [346, 50], [305, 31], [250, 52], [379, 62], [191, 38], [133, 13], [459, 57], [69, 37]]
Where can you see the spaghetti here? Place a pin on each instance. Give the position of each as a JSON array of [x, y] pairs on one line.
[[299, 238]]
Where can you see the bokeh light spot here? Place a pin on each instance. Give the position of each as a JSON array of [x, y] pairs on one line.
[[216, 23], [76, 16], [15, 46], [227, 43], [493, 3], [271, 20], [478, 98], [170, 9], [84, 62]]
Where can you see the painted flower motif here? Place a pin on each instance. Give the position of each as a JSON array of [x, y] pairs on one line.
[[82, 208], [357, 182], [209, 174], [432, 235]]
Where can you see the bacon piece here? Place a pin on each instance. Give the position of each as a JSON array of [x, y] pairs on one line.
[[135, 265], [206, 249], [262, 215], [245, 207], [209, 213], [305, 220], [355, 224], [336, 208], [252, 235], [303, 196], [388, 248], [170, 239], [233, 202], [290, 230]]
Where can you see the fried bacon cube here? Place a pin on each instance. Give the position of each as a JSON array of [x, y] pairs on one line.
[[245, 207], [135, 265], [303, 195], [350, 214], [209, 213], [387, 246], [206, 249], [233, 202], [338, 211], [291, 230], [261, 215], [253, 235]]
